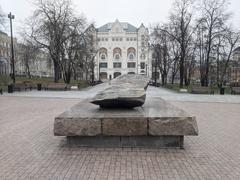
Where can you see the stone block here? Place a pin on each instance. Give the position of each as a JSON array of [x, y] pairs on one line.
[[126, 141], [155, 118], [125, 91], [124, 126], [177, 126], [77, 127], [94, 141]]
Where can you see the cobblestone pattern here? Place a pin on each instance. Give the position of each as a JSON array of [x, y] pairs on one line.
[[28, 149]]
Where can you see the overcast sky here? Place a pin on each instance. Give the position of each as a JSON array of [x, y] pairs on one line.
[[104, 11]]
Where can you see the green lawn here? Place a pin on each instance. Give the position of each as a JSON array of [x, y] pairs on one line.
[[6, 80]]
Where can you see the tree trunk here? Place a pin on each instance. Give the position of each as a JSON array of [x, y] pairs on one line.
[[28, 70], [181, 71], [185, 77], [226, 65], [189, 77], [173, 78], [206, 79], [156, 64], [56, 72]]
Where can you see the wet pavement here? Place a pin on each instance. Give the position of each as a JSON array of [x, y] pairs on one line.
[[29, 151]]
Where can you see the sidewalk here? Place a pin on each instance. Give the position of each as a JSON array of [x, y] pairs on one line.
[[169, 95], [28, 149], [166, 94]]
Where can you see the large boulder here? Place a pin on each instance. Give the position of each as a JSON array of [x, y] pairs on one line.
[[126, 91]]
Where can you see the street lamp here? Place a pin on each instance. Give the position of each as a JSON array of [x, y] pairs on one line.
[[146, 69], [99, 69], [10, 16]]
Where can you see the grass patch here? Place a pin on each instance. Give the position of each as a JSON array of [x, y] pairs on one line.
[[82, 84], [6, 80]]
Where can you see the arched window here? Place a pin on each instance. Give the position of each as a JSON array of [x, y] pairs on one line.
[[131, 73], [131, 52], [103, 53], [131, 56], [117, 53], [117, 56], [103, 56], [116, 74]]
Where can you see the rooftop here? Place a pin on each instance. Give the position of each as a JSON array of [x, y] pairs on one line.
[[126, 27]]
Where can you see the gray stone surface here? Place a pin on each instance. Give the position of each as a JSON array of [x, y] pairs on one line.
[[173, 125], [126, 91], [126, 141], [155, 117], [124, 126], [77, 126], [131, 80], [29, 150]]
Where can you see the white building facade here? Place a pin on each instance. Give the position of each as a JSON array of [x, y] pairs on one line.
[[5, 53], [122, 49]]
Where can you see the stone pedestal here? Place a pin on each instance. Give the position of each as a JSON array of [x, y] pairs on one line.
[[155, 124], [127, 141]]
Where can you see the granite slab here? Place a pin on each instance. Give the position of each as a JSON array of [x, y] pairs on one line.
[[125, 91], [155, 118]]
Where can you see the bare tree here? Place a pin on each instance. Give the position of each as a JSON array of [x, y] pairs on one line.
[[161, 44], [71, 48], [49, 26], [90, 52], [212, 22], [27, 55], [180, 30], [174, 56], [190, 62], [231, 40]]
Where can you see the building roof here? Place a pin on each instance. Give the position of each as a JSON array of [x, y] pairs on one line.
[[126, 26]]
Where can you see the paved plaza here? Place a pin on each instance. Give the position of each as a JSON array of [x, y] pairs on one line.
[[28, 149], [166, 94]]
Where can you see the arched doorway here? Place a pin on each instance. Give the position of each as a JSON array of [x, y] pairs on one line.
[[131, 72], [116, 74], [142, 72]]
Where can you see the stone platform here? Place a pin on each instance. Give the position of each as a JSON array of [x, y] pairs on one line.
[[127, 141], [156, 124]]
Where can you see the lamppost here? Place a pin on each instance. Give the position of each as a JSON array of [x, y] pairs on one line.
[[99, 69], [11, 17], [147, 69]]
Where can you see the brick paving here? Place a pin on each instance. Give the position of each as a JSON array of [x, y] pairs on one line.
[[28, 149]]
